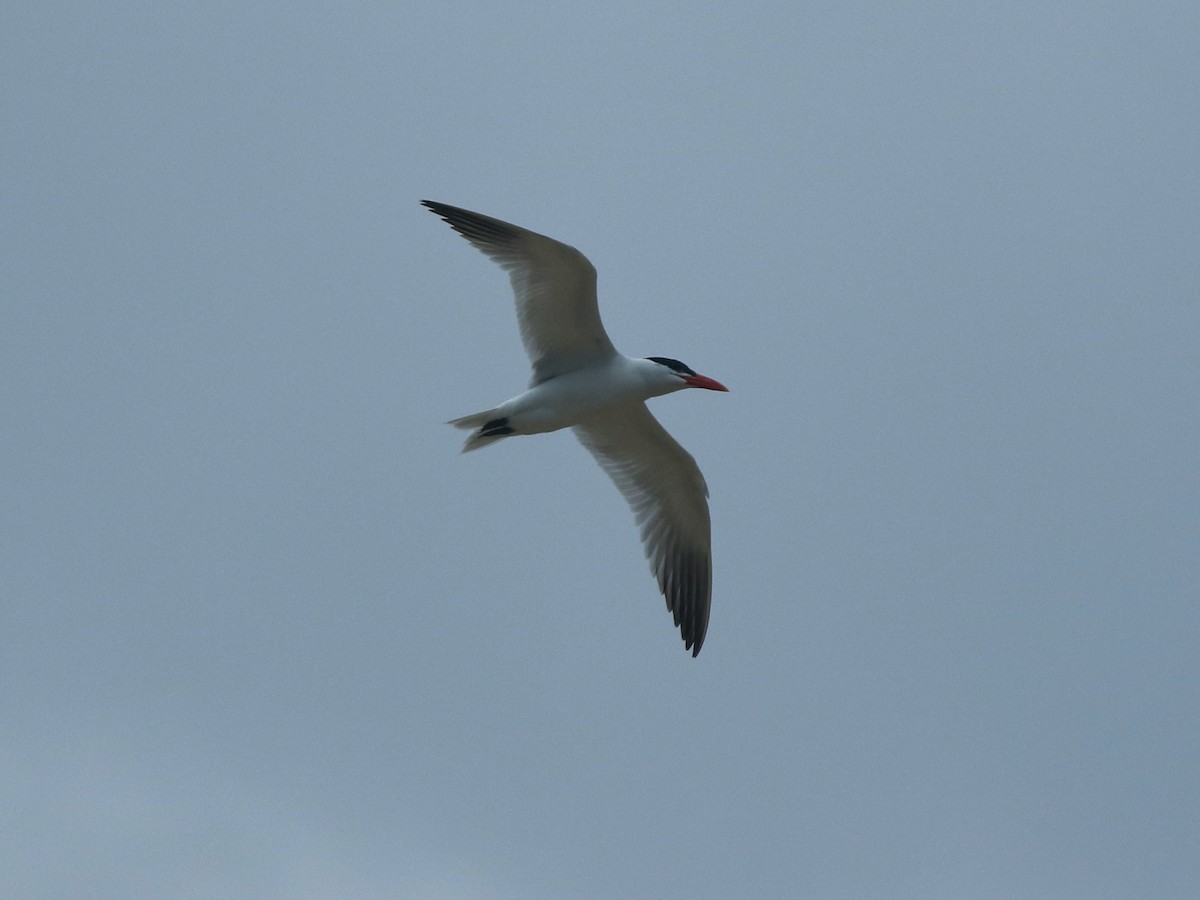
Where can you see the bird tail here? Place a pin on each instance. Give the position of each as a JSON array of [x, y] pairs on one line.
[[491, 427]]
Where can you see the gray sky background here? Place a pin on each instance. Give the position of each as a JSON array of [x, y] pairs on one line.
[[266, 633]]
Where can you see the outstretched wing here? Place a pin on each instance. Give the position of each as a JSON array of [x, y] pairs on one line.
[[555, 288], [667, 493]]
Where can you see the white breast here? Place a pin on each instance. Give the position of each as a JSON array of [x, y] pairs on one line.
[[569, 399]]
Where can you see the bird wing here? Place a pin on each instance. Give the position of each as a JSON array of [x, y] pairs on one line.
[[668, 496], [555, 288]]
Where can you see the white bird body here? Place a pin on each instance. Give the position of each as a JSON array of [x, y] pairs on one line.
[[581, 382], [568, 399]]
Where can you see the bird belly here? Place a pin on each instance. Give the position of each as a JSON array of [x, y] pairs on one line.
[[564, 401]]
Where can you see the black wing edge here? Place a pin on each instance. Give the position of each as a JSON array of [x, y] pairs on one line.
[[472, 225], [687, 586]]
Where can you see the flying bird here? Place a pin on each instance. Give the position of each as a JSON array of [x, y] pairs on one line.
[[581, 382]]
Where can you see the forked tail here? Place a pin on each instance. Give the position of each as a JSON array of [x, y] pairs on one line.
[[491, 427]]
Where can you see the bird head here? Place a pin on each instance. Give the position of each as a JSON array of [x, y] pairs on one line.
[[677, 376]]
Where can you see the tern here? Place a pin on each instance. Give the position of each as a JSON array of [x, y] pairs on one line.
[[581, 382]]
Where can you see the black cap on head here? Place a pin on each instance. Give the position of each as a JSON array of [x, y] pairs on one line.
[[673, 364]]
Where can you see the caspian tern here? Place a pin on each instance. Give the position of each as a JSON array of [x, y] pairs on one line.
[[581, 382]]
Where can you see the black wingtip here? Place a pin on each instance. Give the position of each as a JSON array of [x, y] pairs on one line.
[[481, 230], [687, 587], [443, 209]]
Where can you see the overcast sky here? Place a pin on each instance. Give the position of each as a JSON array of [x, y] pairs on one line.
[[266, 633]]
